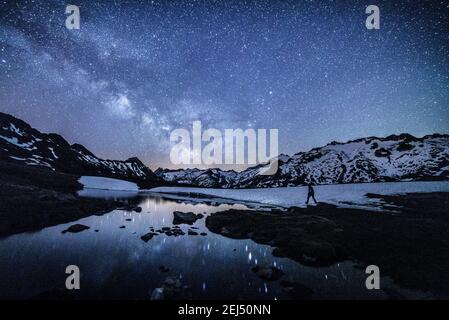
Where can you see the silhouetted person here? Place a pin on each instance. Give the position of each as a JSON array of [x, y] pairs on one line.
[[310, 193]]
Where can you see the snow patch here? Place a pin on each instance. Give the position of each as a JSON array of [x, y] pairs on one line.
[[53, 152], [107, 183], [342, 195], [16, 142]]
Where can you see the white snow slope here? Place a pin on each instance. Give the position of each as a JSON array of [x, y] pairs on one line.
[[107, 183], [393, 158], [343, 195]]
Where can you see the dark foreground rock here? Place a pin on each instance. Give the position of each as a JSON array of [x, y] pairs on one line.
[[411, 245], [147, 237], [76, 228], [185, 217], [35, 198], [175, 231], [306, 238]]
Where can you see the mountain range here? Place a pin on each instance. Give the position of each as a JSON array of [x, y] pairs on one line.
[[394, 158], [22, 144]]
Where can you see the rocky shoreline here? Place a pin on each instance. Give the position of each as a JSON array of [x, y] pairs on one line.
[[410, 245], [35, 198]]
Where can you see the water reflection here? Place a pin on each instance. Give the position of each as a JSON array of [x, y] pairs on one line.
[[107, 194], [116, 263]]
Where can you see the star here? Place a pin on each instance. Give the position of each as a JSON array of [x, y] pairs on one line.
[[133, 72]]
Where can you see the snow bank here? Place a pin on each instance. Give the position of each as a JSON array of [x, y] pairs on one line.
[[343, 195], [107, 183]]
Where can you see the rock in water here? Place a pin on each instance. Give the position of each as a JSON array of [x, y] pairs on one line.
[[185, 217], [76, 228], [268, 273], [147, 237]]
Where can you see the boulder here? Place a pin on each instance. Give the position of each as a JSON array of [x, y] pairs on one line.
[[185, 217], [76, 228], [147, 237]]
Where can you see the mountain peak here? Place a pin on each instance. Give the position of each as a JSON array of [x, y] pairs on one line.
[[20, 143], [135, 160], [82, 149]]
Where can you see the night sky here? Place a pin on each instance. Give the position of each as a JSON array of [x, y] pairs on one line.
[[134, 72]]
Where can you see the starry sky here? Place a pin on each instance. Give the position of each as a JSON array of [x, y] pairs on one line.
[[136, 70]]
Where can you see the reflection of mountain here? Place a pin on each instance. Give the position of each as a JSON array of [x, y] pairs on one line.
[[394, 158], [22, 144]]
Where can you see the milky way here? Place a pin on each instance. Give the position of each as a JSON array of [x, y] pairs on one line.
[[135, 71]]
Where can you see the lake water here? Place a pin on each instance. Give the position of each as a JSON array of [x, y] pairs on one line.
[[116, 263]]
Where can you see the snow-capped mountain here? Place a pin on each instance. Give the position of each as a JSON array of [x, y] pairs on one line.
[[394, 158], [20, 143], [210, 178]]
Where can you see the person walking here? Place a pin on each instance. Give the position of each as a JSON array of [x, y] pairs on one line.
[[310, 193]]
